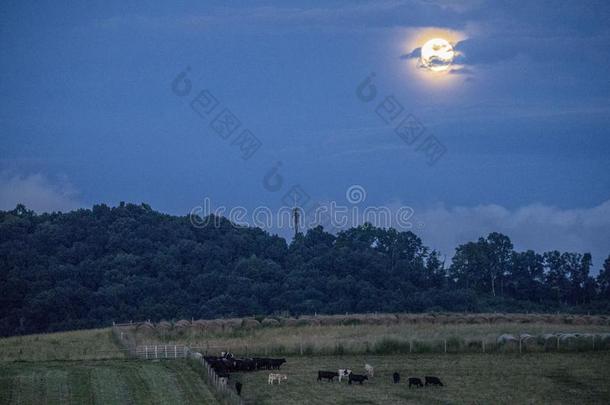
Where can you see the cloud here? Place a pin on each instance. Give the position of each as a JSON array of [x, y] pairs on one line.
[[36, 192], [538, 227]]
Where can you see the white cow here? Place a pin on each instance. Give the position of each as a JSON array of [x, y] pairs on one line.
[[344, 372], [370, 371], [277, 377]]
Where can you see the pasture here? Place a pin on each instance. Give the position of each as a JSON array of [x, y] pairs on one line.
[[91, 344], [468, 378], [105, 382]]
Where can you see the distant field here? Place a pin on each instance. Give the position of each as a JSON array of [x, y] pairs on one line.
[[75, 345], [106, 382], [333, 339], [557, 378]]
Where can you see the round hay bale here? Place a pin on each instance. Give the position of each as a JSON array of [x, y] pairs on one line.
[[477, 319], [499, 319], [182, 324], [198, 325], [250, 323], [506, 339], [163, 326], [270, 322], [230, 324], [567, 337], [213, 326], [145, 327], [308, 321], [289, 322]]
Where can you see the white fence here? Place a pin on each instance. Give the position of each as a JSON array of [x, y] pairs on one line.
[[152, 352]]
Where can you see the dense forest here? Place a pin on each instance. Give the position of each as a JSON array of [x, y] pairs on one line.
[[87, 268]]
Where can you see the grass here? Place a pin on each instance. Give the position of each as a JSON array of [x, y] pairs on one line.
[[104, 382], [93, 344], [363, 338], [469, 379]]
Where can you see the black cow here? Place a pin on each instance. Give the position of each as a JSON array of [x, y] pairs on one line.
[[262, 363], [430, 380], [238, 388], [415, 381], [276, 363], [328, 375], [396, 377], [357, 377]]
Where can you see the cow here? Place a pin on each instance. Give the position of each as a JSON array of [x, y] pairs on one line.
[[276, 363], [415, 381], [277, 377], [396, 377], [262, 363], [430, 380], [370, 371], [357, 377], [344, 372], [328, 375], [238, 388]]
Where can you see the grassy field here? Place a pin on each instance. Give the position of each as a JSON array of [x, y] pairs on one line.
[[351, 338], [104, 382], [76, 345], [552, 378]]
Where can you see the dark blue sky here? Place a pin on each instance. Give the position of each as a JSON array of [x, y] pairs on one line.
[[88, 115]]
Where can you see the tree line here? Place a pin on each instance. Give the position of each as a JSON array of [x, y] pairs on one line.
[[89, 267]]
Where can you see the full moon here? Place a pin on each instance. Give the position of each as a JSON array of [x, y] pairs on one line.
[[437, 55]]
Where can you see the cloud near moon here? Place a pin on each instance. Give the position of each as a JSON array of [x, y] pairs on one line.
[[433, 50]]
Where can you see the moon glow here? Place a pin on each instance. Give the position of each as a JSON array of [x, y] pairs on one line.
[[437, 55]]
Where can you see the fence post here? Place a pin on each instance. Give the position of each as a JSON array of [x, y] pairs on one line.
[[146, 351], [520, 340], [301, 346], [156, 352], [483, 345], [445, 345], [557, 342]]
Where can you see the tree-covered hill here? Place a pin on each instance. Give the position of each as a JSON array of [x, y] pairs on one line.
[[87, 268]]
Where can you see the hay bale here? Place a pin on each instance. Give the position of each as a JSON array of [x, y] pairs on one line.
[[163, 326], [270, 322], [182, 324], [289, 322], [527, 339], [213, 326], [230, 324], [506, 339], [250, 323], [145, 327], [198, 325], [568, 337], [477, 319], [500, 319]]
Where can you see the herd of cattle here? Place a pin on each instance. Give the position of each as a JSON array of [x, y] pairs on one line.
[[227, 363]]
